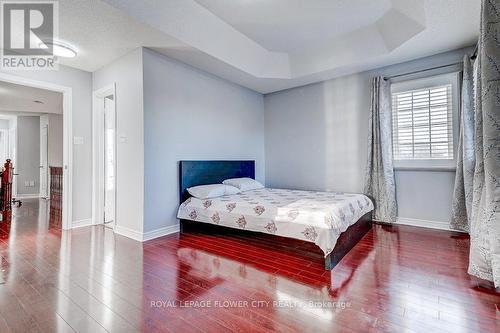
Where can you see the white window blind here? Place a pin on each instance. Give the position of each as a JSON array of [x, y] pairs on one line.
[[422, 124]]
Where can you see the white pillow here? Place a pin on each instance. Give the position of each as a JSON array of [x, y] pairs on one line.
[[212, 191], [244, 184], [232, 190]]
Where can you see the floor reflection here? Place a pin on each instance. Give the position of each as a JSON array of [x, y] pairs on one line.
[[398, 279], [283, 297], [5, 224], [44, 214], [53, 280], [205, 266], [55, 212]]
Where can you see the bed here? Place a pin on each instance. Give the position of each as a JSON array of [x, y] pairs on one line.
[[335, 222]]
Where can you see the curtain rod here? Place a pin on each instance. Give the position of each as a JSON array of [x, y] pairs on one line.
[[422, 70]]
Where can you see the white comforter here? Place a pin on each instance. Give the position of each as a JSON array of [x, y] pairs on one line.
[[318, 217]]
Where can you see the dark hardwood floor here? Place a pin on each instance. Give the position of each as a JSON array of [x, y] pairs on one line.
[[397, 279]]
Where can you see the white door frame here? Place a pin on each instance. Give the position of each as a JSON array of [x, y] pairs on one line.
[[11, 146], [6, 145], [67, 193], [98, 153], [44, 122]]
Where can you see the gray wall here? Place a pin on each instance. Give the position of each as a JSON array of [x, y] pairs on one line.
[[126, 73], [315, 135], [316, 138], [189, 114], [28, 154]]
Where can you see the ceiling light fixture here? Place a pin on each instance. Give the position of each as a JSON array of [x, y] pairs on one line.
[[59, 49]]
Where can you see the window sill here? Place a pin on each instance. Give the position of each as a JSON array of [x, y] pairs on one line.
[[424, 168]]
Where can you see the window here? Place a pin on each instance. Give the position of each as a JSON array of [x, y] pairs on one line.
[[423, 119]]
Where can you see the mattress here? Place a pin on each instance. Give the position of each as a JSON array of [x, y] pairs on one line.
[[317, 217]]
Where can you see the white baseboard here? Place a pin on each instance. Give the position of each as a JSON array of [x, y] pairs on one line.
[[27, 196], [161, 232], [129, 233], [142, 237], [440, 225], [81, 223]]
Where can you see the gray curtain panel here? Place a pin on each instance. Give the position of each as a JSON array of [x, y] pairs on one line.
[[466, 157], [484, 259], [379, 181]]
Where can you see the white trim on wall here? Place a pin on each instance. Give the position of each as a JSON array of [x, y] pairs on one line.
[[440, 225], [81, 223], [67, 195], [13, 150], [5, 142], [44, 122], [142, 237], [129, 233], [98, 154], [28, 196], [171, 229]]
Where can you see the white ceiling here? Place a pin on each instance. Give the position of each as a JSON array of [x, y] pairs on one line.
[[101, 34], [269, 45], [291, 25], [20, 99]]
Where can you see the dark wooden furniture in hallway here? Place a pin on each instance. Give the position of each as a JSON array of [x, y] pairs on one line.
[[6, 186], [396, 279], [56, 184]]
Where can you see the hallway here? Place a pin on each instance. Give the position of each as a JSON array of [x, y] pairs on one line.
[[44, 271]]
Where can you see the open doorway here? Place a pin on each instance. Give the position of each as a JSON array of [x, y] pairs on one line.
[[31, 136], [65, 175], [104, 140], [109, 160]]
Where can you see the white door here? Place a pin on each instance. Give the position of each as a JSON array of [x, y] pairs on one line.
[[44, 161], [109, 159]]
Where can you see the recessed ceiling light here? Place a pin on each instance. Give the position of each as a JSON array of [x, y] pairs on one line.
[[38, 102], [59, 49]]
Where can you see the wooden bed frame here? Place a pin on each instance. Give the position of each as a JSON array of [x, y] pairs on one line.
[[193, 173]]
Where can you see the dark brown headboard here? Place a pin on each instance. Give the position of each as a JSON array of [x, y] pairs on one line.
[[193, 173]]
